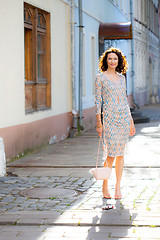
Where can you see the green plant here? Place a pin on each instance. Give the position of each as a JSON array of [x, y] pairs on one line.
[[52, 198], [152, 226], [148, 208]]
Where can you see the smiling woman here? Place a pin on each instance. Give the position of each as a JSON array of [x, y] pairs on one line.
[[122, 65], [117, 121]]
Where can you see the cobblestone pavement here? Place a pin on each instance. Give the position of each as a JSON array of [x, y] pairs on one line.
[[141, 191], [83, 213], [11, 187]]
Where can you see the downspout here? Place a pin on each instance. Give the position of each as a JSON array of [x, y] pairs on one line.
[[148, 70], [132, 52], [72, 57], [81, 127], [73, 129]]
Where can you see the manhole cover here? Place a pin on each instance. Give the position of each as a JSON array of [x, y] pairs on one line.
[[47, 193]]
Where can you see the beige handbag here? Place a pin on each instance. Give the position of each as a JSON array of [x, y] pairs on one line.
[[101, 173]]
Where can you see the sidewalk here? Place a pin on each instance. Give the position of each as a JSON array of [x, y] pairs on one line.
[[152, 111], [51, 194]]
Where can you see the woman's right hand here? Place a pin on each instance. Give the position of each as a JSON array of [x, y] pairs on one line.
[[132, 128], [99, 130], [99, 125]]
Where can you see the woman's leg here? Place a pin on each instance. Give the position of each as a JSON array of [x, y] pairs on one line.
[[108, 163], [119, 170]]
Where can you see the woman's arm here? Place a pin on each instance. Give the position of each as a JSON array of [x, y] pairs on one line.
[[98, 94], [132, 127], [98, 103]]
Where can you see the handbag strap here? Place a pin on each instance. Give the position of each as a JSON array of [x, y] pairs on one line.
[[100, 139]]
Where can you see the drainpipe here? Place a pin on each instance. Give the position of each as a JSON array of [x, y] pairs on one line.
[[132, 51], [148, 84], [73, 130], [80, 64], [72, 56], [74, 112]]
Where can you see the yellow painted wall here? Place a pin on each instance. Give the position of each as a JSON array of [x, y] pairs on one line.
[[12, 98]]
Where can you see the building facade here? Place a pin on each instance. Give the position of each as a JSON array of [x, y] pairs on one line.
[[39, 85], [146, 48], [35, 93]]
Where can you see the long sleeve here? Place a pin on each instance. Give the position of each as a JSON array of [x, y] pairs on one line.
[[98, 94], [126, 99], [125, 87]]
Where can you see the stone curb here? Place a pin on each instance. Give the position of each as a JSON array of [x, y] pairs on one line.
[[82, 218]]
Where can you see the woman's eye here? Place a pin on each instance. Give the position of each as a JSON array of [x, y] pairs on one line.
[[115, 59]]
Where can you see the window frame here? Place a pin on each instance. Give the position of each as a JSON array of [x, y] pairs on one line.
[[37, 90]]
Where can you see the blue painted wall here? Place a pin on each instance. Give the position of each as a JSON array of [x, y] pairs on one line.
[[94, 12]]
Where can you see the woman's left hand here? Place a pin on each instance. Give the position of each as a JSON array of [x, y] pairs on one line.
[[132, 129]]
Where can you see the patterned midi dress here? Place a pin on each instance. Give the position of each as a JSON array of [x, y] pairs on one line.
[[116, 112]]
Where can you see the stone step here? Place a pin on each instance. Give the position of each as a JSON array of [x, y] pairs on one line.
[[142, 119], [136, 114], [138, 117]]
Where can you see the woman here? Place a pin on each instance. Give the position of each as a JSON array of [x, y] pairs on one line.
[[117, 120]]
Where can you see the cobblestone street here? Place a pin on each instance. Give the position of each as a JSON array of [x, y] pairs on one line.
[[88, 192], [68, 203]]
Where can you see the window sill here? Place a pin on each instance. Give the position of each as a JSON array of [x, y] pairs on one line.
[[40, 109]]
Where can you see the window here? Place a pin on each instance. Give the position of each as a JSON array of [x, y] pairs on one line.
[[37, 59]]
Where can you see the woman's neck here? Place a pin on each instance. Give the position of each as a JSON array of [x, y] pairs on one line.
[[111, 71]]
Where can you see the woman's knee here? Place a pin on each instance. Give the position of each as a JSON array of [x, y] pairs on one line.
[[119, 158], [109, 161]]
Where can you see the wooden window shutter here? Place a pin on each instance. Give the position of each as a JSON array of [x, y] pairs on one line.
[[37, 59]]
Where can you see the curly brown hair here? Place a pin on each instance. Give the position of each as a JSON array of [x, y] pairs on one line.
[[122, 62]]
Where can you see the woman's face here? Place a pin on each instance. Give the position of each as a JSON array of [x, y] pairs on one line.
[[112, 60]]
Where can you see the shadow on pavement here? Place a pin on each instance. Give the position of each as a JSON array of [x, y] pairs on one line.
[[113, 223]]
